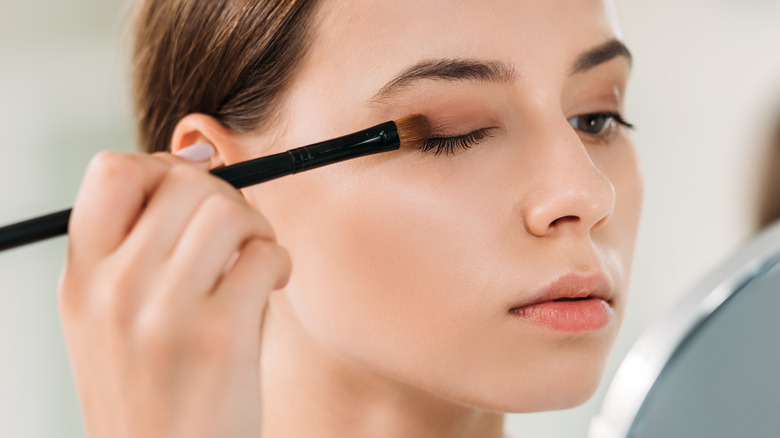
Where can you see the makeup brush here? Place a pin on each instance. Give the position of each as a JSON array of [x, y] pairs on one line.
[[408, 132]]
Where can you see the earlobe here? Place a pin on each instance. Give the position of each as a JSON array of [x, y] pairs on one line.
[[201, 128]]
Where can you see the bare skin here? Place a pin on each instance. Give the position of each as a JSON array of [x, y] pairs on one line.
[[159, 337], [398, 319]]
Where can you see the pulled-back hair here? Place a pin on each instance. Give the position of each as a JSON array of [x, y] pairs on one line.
[[769, 191], [230, 59]]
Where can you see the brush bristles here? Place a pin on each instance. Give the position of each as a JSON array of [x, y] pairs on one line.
[[413, 130]]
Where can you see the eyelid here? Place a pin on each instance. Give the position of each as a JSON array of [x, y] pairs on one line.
[[616, 114], [450, 144]]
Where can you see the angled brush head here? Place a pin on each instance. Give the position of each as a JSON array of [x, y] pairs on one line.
[[413, 130]]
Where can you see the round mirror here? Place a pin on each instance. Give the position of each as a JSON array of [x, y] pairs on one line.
[[711, 367]]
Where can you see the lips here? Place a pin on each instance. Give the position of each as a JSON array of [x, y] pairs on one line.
[[573, 303]]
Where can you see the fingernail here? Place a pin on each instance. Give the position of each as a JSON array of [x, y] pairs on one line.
[[197, 152]]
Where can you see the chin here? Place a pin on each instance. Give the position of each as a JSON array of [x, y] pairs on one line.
[[566, 380], [556, 396]]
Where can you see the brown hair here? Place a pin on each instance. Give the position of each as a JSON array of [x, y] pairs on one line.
[[769, 191], [230, 59]]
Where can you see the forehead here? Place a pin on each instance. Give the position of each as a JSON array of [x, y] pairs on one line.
[[381, 35], [360, 45]]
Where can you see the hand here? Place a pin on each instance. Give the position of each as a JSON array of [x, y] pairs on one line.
[[162, 298]]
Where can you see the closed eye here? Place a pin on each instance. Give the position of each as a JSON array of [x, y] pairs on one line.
[[451, 145]]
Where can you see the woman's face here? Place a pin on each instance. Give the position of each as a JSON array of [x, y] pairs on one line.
[[424, 267]]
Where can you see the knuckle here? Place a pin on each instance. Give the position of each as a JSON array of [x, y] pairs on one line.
[[157, 331], [276, 258], [261, 226], [247, 221], [224, 207], [282, 258], [186, 174], [105, 304], [161, 332], [111, 303], [263, 251], [188, 178], [110, 165], [285, 268]]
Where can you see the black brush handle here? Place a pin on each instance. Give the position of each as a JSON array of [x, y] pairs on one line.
[[379, 138], [34, 230]]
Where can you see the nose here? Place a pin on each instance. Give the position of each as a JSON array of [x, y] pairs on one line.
[[570, 194]]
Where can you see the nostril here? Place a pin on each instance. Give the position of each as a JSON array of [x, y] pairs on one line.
[[564, 219]]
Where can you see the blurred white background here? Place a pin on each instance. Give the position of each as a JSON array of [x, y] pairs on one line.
[[705, 89]]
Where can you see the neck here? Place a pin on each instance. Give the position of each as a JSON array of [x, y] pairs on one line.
[[310, 391]]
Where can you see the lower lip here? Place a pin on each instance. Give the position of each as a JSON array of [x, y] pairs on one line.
[[568, 316]]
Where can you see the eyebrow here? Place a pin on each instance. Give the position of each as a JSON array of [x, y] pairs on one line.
[[474, 70], [600, 54], [471, 70]]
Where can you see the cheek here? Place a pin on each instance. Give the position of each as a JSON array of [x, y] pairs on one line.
[[384, 266], [620, 165], [623, 170], [395, 268]]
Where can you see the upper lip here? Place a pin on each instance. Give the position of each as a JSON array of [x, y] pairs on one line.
[[572, 285]]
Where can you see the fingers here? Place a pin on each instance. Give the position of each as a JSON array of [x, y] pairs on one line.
[[167, 222], [115, 191], [174, 204], [220, 227], [155, 300], [112, 195], [263, 265]]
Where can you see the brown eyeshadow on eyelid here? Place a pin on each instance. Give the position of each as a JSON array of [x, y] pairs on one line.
[[445, 105], [591, 102], [602, 89], [455, 119], [443, 126]]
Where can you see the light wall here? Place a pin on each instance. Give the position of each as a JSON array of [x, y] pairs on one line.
[[705, 86], [62, 98]]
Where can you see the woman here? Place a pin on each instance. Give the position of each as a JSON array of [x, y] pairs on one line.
[[431, 290]]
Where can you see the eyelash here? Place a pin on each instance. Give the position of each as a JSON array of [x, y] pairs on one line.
[[451, 145]]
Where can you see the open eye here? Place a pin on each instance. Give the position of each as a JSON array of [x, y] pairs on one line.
[[600, 125]]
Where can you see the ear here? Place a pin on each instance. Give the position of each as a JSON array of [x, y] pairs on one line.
[[200, 128]]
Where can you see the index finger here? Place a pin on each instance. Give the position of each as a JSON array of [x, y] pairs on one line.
[[112, 196]]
